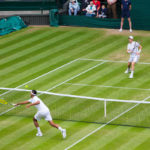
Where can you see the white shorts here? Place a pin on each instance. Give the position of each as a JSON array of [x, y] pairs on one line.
[[46, 115], [134, 59]]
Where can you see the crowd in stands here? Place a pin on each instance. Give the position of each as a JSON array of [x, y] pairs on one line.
[[99, 8], [91, 8]]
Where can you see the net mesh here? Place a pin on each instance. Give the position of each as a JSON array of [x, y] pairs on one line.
[[74, 108]]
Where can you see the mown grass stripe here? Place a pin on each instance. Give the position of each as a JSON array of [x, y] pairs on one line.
[[44, 59], [64, 49], [15, 53], [35, 39], [101, 138], [35, 53], [8, 37], [21, 41], [19, 38]]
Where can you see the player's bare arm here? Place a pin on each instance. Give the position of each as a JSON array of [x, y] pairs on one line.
[[140, 49], [130, 7], [121, 6], [129, 51], [32, 104], [22, 103]]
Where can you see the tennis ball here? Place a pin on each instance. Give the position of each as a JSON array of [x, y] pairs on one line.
[[26, 86]]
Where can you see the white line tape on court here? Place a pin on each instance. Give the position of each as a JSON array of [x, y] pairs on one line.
[[69, 147], [42, 75], [59, 83], [75, 76], [144, 63], [34, 80], [103, 86]]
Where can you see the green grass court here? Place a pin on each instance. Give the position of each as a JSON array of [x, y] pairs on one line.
[[80, 62]]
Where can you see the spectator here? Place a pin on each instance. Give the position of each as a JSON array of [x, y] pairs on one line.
[[125, 8], [73, 7], [112, 8], [103, 12], [98, 5], [90, 10], [84, 4], [64, 10]]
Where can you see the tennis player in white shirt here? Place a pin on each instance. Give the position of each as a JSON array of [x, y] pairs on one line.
[[134, 49], [43, 112]]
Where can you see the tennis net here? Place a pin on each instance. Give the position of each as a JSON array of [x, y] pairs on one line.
[[80, 108]]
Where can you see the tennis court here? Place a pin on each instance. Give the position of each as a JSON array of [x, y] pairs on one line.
[[73, 74]]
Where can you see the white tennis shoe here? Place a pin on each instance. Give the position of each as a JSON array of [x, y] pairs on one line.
[[127, 71], [130, 30], [63, 132], [39, 134], [120, 30], [131, 76]]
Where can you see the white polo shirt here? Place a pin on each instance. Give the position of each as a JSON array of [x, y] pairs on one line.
[[134, 47], [40, 107]]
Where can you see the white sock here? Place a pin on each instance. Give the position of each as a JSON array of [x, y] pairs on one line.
[[38, 129], [60, 128], [132, 72]]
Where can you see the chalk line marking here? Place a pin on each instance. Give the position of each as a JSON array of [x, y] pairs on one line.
[[55, 85], [103, 86], [144, 63], [69, 147], [34, 80]]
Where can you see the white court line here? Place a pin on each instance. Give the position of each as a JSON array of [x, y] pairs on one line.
[[34, 80], [75, 76], [41, 76], [145, 63], [61, 82], [69, 147], [103, 86]]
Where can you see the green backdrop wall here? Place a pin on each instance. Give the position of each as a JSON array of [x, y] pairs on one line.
[[140, 15], [27, 5]]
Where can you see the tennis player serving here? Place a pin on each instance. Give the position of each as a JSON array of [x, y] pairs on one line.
[[134, 49], [43, 112]]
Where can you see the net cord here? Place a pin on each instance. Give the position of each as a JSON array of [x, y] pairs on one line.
[[77, 96]]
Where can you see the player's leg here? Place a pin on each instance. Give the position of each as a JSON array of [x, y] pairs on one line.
[[53, 124], [35, 118], [132, 69], [63, 131], [135, 60], [129, 66], [121, 25], [48, 117], [130, 24]]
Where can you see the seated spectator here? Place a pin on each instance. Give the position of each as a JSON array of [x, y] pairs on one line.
[[98, 5], [84, 4], [103, 12], [90, 10], [73, 7]]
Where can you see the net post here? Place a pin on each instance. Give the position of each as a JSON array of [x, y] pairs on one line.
[[105, 111]]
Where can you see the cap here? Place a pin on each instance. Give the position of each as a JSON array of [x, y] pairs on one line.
[[131, 37]]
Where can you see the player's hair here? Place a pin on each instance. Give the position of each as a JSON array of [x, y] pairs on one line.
[[34, 92]]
